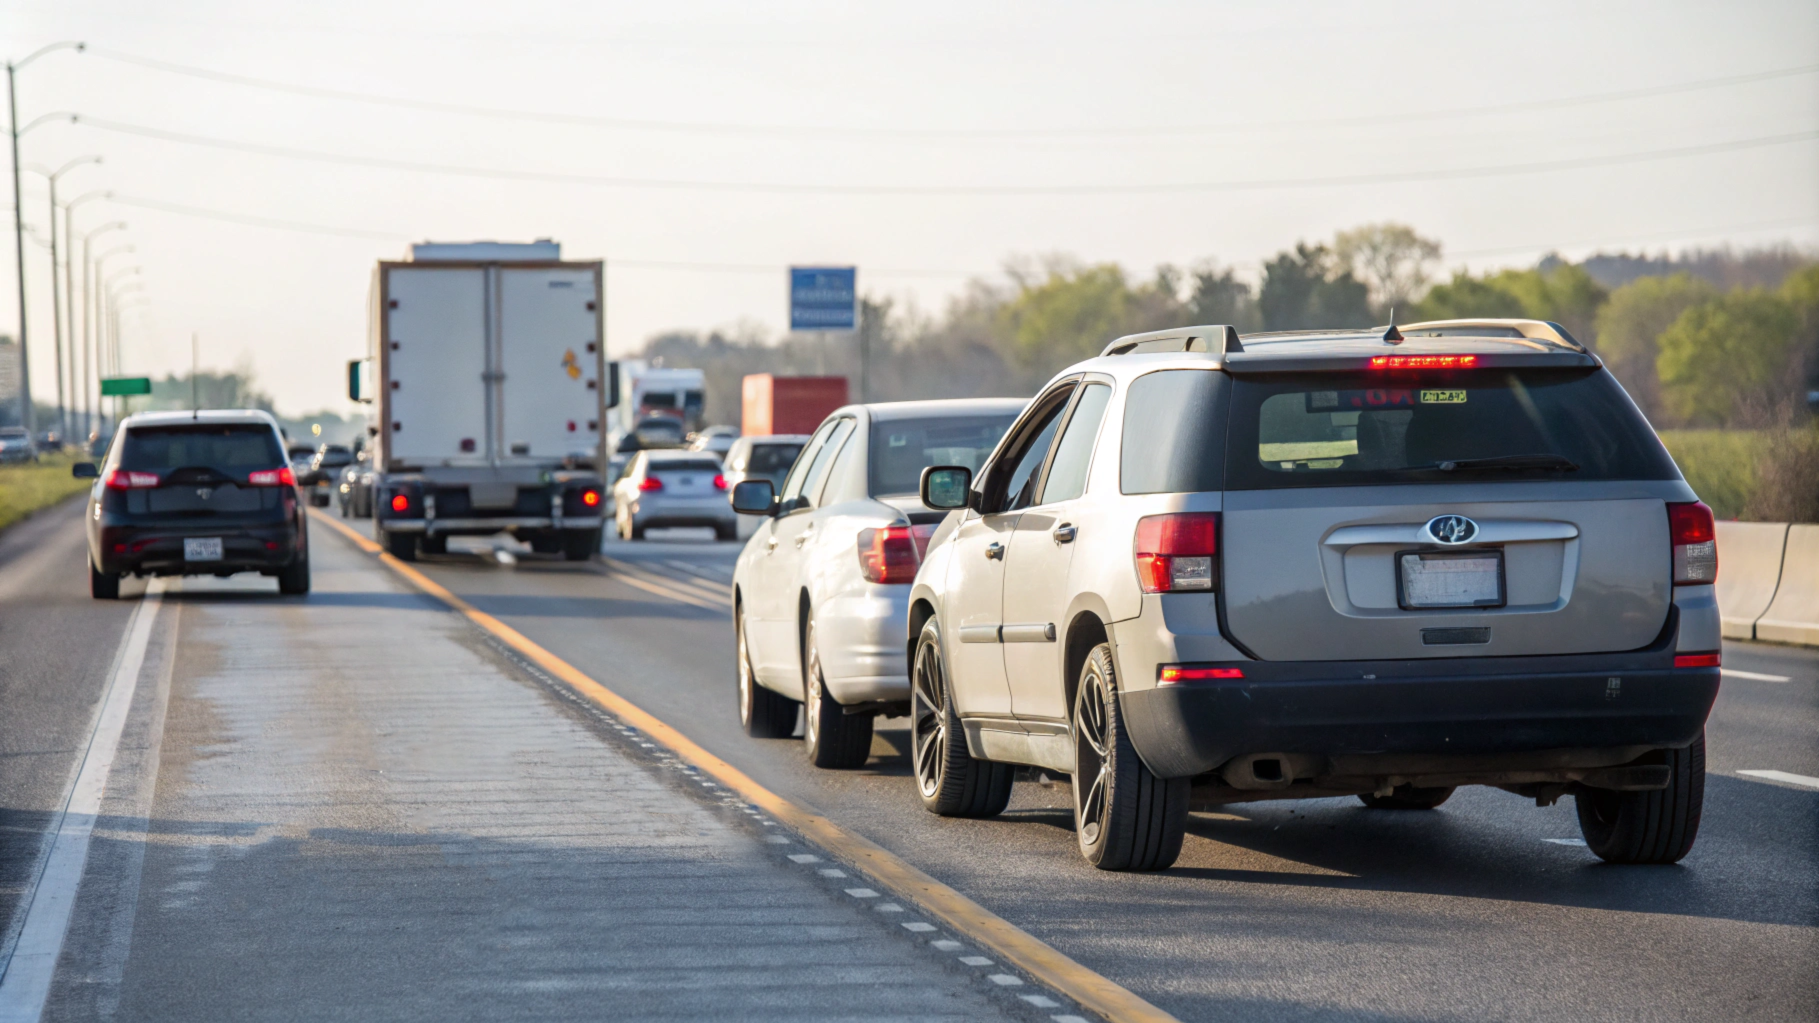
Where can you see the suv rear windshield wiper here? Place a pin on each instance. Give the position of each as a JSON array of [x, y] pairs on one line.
[[1506, 462]]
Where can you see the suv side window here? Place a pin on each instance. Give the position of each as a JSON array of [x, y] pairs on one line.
[[1174, 423], [798, 474], [1074, 453], [1014, 486], [841, 485]]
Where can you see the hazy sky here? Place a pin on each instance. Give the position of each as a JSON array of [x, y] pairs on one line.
[[736, 138]]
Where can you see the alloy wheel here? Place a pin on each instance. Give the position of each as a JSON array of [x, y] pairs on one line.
[[928, 720], [1092, 756], [745, 676]]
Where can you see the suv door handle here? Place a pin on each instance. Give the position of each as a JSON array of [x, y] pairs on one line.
[[1064, 533], [994, 551]]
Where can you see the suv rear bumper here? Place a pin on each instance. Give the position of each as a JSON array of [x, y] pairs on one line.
[[151, 550], [1491, 707]]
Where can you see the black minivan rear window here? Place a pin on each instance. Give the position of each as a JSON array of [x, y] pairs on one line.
[[233, 449], [1354, 429]]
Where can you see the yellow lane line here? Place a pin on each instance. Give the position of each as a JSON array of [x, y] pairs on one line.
[[959, 912]]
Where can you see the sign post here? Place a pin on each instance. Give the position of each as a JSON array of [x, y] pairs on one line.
[[824, 299]]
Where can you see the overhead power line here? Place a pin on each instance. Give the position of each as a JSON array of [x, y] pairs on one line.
[[679, 184], [1008, 134]]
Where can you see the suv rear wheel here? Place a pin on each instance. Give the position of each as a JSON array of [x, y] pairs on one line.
[[950, 780], [102, 585], [293, 578], [1648, 827], [765, 714], [1124, 817], [834, 738]]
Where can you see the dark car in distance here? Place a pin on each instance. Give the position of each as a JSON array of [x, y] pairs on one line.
[[195, 493]]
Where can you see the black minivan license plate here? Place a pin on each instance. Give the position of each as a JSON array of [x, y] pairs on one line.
[[201, 548], [1438, 579]]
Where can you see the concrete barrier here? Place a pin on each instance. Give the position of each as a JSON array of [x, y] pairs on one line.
[[1749, 569], [1793, 616]]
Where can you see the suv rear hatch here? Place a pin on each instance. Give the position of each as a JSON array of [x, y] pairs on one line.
[[203, 471], [1414, 513]]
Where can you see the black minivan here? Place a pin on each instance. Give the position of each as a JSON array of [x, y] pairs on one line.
[[195, 493]]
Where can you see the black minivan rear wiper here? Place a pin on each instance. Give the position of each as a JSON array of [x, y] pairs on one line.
[[1507, 462]]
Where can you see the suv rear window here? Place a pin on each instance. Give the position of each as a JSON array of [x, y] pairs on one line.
[[1352, 429], [232, 449], [683, 465], [772, 459]]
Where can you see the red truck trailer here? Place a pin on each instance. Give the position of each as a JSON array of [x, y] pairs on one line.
[[774, 404]]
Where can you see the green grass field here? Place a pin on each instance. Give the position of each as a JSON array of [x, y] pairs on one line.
[[26, 488]]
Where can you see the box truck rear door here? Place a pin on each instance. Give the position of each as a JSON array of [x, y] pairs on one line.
[[435, 391], [549, 337]]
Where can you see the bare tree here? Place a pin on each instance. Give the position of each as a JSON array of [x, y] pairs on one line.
[[1392, 260]]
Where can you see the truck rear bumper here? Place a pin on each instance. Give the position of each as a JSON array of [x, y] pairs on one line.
[[490, 524], [1327, 711]]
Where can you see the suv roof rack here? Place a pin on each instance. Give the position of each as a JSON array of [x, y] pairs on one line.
[[1219, 337], [1535, 330]]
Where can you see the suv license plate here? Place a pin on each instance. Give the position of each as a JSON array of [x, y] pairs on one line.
[[201, 548], [1439, 579]]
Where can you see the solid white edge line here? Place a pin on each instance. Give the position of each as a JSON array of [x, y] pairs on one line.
[[26, 984], [1783, 776], [1754, 676]]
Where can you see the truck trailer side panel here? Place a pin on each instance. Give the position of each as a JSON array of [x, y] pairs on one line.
[[433, 389]]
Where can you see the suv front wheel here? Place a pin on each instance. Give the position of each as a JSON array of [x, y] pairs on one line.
[[950, 780], [1124, 817]]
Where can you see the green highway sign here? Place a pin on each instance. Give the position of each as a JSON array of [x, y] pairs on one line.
[[126, 385]]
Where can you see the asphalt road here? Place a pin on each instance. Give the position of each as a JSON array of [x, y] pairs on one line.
[[310, 745]]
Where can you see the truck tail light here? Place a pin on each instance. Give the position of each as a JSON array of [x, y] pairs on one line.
[[590, 497], [1178, 552], [122, 479], [650, 483], [401, 503], [1695, 540], [272, 478], [891, 554], [1174, 674]]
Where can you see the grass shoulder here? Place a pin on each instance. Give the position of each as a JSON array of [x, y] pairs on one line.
[[27, 488]]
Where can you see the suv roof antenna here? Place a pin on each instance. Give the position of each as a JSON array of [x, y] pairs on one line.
[[1232, 344], [1392, 336]]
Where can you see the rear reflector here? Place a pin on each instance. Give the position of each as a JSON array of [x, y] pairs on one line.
[[891, 554], [1423, 361], [1695, 540], [1711, 660], [120, 479], [272, 477], [650, 483], [1175, 552], [1173, 673]]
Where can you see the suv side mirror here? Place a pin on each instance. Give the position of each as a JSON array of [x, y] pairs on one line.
[[945, 486], [84, 470], [754, 497]]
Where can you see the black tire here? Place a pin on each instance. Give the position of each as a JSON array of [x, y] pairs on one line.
[[833, 738], [726, 532], [293, 579], [434, 543], [102, 585], [402, 546], [580, 544], [1648, 827], [950, 781], [1125, 818], [764, 713], [1408, 797]]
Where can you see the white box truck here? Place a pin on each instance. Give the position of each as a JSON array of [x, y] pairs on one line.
[[485, 371]]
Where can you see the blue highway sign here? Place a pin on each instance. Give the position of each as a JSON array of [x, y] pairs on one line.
[[823, 298]]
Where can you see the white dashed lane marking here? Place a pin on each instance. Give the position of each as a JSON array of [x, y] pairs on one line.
[[831, 872], [1754, 676], [918, 926], [1565, 841], [803, 857], [975, 960], [1782, 776], [1041, 1001], [862, 893], [946, 944], [1005, 980]]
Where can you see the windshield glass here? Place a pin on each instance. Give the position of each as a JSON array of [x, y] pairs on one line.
[[902, 448], [1349, 429], [230, 449]]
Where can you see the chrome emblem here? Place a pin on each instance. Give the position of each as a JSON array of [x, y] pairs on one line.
[[1451, 529], [204, 492]]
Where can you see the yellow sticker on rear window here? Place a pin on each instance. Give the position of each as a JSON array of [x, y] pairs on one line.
[[1442, 397]]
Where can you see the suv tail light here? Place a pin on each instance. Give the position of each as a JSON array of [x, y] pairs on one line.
[[272, 478], [719, 482], [892, 554], [1695, 541], [1715, 659], [121, 479], [1175, 674], [1424, 362], [649, 483], [1178, 552]]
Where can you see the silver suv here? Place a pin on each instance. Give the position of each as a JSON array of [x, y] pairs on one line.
[[1204, 569]]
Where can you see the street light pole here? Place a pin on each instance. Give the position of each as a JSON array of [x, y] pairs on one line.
[[57, 303], [13, 129], [113, 303], [78, 366]]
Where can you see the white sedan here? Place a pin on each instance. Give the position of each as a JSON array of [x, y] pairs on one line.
[[821, 590]]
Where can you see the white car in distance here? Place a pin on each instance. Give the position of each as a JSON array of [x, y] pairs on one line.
[[821, 590]]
